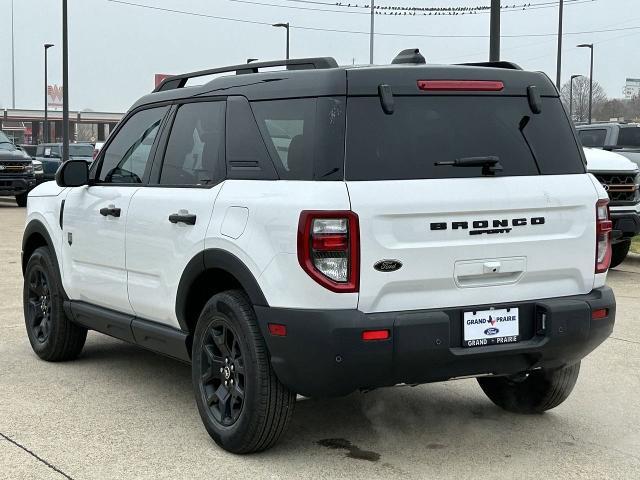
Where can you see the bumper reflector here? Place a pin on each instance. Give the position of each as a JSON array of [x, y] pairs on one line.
[[371, 335], [599, 314], [277, 329]]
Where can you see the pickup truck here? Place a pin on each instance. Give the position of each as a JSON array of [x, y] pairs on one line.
[[620, 178], [622, 138], [16, 171]]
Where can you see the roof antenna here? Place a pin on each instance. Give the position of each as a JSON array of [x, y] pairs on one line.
[[410, 55]]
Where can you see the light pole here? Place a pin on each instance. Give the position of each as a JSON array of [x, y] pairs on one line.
[[590, 47], [13, 64], [571, 96], [45, 124], [494, 37], [284, 25], [559, 67], [65, 84]]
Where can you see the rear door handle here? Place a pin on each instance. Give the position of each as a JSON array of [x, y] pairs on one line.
[[183, 216], [111, 211]]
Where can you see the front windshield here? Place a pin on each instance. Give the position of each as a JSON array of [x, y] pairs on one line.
[[5, 143]]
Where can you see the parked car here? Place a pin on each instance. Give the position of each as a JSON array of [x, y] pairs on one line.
[[622, 138], [96, 149], [30, 150], [37, 164], [620, 178], [425, 223], [16, 171], [50, 154]]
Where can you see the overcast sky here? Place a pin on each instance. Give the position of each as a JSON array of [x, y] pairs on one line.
[[115, 49]]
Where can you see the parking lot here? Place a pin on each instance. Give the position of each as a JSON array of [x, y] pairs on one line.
[[122, 412]]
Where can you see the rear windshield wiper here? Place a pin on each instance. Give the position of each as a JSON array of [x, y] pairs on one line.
[[490, 164]]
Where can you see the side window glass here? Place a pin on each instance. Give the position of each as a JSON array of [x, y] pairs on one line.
[[195, 150], [304, 136], [127, 157], [288, 126]]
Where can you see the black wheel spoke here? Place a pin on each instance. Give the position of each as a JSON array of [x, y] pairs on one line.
[[35, 312]]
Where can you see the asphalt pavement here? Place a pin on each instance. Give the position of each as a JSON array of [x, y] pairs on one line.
[[122, 412]]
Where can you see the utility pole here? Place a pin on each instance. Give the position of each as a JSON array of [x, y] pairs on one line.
[[13, 63], [590, 47], [373, 14], [65, 84], [494, 40], [559, 67]]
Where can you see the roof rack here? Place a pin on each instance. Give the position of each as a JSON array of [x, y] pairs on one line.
[[179, 81], [498, 64]]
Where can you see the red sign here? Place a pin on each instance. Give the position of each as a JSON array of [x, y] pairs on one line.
[[159, 77], [54, 96]]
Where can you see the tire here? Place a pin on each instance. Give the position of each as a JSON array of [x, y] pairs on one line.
[[21, 199], [539, 391], [52, 335], [619, 252], [252, 411]]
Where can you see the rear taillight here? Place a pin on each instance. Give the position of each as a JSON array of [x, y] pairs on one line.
[[95, 153], [603, 236], [329, 248]]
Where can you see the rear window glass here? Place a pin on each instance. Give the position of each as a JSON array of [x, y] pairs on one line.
[[592, 137], [629, 137], [427, 130], [305, 136], [81, 150]]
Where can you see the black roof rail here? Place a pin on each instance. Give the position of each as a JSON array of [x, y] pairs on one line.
[[498, 64], [179, 81]]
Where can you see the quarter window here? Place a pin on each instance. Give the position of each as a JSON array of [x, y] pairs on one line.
[[590, 137], [195, 150], [126, 159]]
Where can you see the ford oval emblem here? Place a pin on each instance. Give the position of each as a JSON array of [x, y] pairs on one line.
[[387, 265], [491, 331]]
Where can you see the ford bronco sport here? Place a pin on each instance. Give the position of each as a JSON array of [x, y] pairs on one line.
[[318, 229]]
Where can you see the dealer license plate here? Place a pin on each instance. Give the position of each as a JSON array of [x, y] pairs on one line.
[[491, 327]]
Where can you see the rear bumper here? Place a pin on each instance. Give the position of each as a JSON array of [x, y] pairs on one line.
[[627, 222], [323, 353], [16, 185]]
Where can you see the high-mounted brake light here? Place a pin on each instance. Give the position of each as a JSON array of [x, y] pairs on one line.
[[461, 85], [603, 236], [329, 248]]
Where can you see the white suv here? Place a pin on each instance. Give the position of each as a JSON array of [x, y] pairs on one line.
[[322, 229]]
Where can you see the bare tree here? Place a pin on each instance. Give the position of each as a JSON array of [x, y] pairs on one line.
[[612, 108], [581, 98]]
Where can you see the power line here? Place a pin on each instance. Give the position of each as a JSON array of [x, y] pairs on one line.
[[405, 11], [360, 32]]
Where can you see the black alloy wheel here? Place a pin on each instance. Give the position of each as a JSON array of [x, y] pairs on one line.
[[222, 385], [39, 304]]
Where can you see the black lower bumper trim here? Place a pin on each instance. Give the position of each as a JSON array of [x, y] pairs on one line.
[[323, 353], [16, 185], [628, 223]]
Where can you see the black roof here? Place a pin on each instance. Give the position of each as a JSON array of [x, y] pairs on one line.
[[312, 77]]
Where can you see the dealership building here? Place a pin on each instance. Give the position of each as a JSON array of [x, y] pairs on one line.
[[27, 126]]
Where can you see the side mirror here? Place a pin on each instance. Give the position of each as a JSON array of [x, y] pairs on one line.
[[73, 173]]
